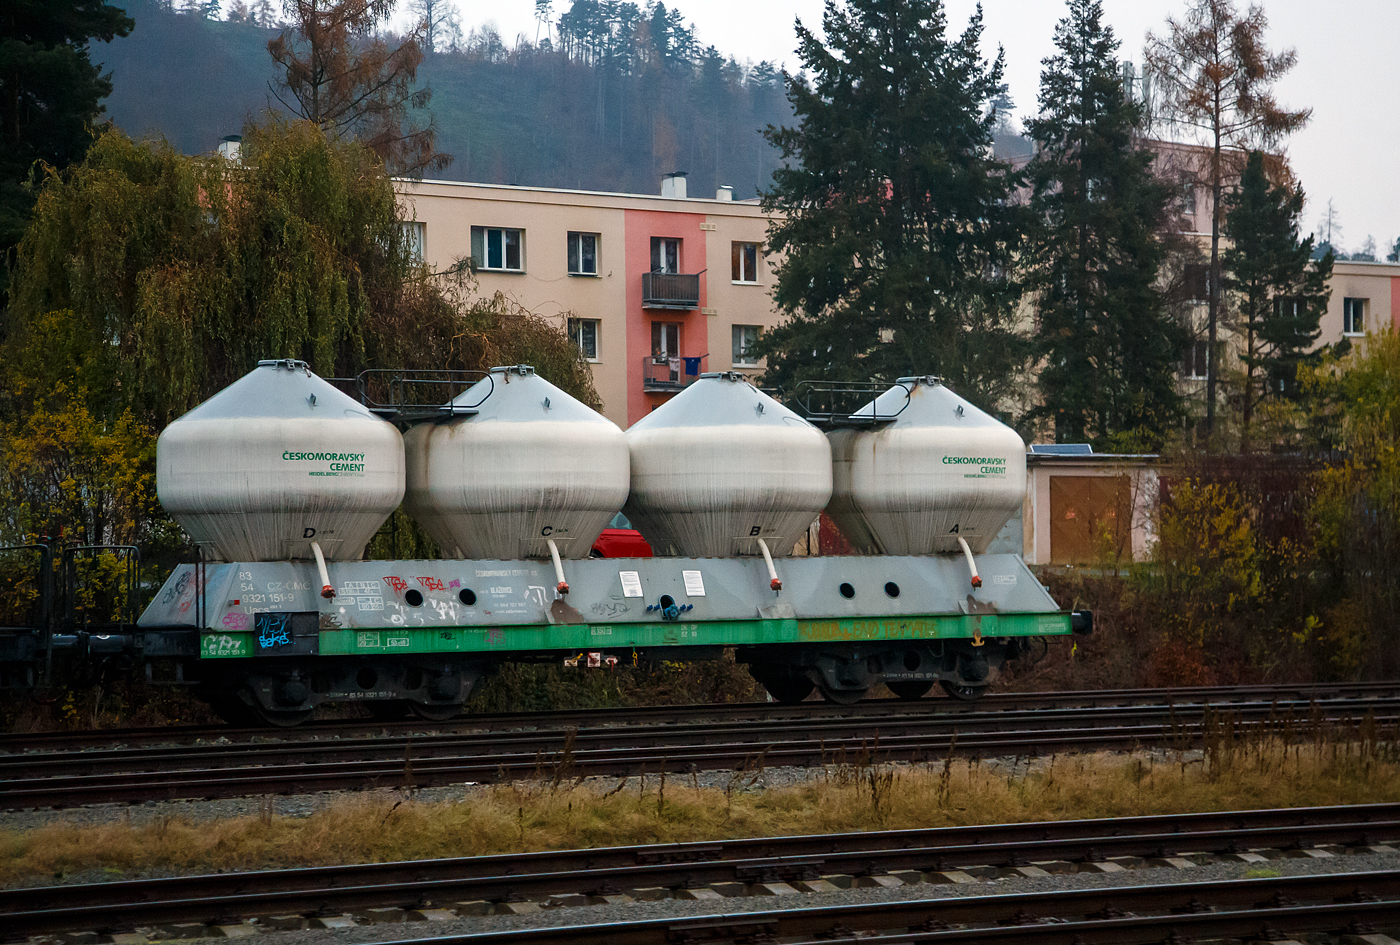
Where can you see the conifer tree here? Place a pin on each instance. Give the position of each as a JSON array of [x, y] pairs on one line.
[[1280, 293], [50, 92], [896, 227], [1108, 344]]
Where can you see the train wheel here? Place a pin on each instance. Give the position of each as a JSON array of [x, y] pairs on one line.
[[387, 710], [783, 685], [843, 696], [961, 692], [278, 718], [789, 690], [435, 713], [230, 708], [911, 689]]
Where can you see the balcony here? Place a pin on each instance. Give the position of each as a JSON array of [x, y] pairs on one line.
[[662, 375], [672, 290]]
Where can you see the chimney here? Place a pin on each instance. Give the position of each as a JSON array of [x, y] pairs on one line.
[[673, 185], [724, 193], [230, 147]]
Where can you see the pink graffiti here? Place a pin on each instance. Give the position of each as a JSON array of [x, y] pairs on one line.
[[457, 583], [236, 620]]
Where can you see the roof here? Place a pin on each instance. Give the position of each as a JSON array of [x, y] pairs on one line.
[[1035, 458], [1062, 449], [711, 205]]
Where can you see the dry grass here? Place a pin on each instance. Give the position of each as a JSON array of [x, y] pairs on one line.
[[540, 815]]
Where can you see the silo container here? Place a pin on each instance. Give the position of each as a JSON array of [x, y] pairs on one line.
[[275, 461], [722, 465], [939, 471], [533, 464]]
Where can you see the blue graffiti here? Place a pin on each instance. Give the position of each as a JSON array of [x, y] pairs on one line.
[[274, 630]]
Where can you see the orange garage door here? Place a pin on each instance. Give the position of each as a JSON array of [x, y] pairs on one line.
[[1090, 519]]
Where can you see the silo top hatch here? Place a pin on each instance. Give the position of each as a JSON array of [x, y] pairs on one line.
[[282, 389], [516, 394], [716, 404]]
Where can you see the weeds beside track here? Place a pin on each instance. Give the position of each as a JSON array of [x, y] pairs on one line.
[[751, 866]]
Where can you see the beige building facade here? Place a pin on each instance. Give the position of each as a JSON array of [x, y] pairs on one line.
[[1365, 295], [1365, 298], [656, 289]]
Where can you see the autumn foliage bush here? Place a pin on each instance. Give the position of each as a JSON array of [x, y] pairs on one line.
[[1268, 566]]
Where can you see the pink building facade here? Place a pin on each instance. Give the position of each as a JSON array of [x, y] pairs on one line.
[[655, 289]]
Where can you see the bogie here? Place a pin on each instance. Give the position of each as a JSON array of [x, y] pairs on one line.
[[846, 674], [285, 693]]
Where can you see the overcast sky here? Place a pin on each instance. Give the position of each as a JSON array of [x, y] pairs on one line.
[[1346, 73]]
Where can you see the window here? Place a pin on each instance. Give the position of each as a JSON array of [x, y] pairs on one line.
[[413, 234], [1197, 360], [744, 261], [665, 339], [1188, 202], [584, 333], [1198, 282], [1353, 316], [583, 254], [1289, 307], [665, 254], [501, 249], [745, 337]]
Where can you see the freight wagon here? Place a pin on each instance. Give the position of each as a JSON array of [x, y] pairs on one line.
[[281, 480]]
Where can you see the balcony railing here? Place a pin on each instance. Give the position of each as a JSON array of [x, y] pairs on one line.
[[670, 290], [671, 374]]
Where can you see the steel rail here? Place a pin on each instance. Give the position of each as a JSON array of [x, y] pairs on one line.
[[1247, 924], [432, 770], [322, 890], [875, 708], [388, 747], [429, 766], [1254, 907]]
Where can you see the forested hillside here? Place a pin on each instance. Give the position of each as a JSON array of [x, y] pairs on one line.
[[622, 95]]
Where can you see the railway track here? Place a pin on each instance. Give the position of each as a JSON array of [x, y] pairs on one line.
[[1351, 905], [521, 883], [131, 775], [563, 719]]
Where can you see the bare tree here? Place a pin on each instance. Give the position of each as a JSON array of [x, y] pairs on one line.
[[1329, 228], [440, 23], [1213, 79], [544, 9], [341, 74]]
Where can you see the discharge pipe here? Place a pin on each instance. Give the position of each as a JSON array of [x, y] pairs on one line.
[[327, 591], [773, 580], [563, 586], [971, 564]]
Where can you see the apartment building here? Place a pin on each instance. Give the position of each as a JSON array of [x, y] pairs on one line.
[[655, 289], [1365, 295], [1365, 298]]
